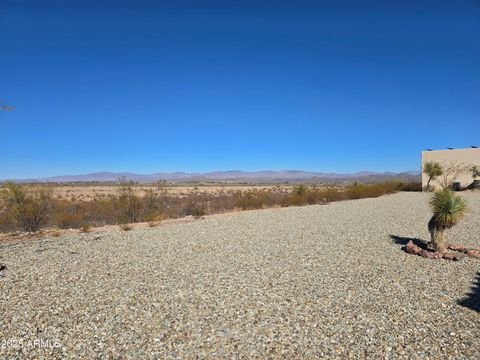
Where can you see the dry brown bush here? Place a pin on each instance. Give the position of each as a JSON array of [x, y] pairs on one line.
[[258, 199], [126, 227], [26, 209], [361, 191], [67, 214]]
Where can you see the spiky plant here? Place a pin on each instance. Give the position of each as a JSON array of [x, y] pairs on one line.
[[448, 209], [475, 170], [300, 189], [433, 170]]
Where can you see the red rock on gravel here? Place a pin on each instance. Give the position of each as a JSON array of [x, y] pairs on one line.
[[430, 255], [457, 247], [473, 253], [454, 257], [411, 248]]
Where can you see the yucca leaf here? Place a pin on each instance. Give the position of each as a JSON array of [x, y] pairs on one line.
[[448, 208]]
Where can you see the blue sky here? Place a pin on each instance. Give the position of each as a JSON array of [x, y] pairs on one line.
[[153, 86]]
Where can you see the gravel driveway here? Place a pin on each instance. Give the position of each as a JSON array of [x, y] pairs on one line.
[[314, 281]]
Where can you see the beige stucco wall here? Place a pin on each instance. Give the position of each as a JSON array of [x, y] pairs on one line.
[[463, 157]]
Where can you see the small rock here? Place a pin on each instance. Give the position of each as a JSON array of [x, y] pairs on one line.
[[2, 267], [426, 254], [430, 255], [457, 247], [454, 257], [411, 248], [473, 253]]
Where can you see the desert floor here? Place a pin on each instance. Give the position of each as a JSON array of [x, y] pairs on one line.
[[88, 192], [314, 281]]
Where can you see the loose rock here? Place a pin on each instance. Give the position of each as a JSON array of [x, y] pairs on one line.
[[460, 248], [473, 253], [454, 257], [301, 282], [429, 254], [413, 249]]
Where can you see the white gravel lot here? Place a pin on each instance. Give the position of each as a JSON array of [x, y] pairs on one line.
[[312, 282]]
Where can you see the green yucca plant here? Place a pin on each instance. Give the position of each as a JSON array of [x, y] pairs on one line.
[[433, 170], [448, 209], [299, 189]]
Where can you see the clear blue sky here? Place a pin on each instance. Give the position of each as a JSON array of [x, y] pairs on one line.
[[153, 86]]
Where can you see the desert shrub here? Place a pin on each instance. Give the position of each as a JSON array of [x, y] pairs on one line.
[[299, 190], [433, 170], [153, 205], [322, 196], [331, 194], [196, 205], [411, 186], [85, 228], [154, 217], [302, 195], [361, 191], [125, 227], [475, 171], [4, 222], [198, 212], [67, 214], [247, 200], [293, 199], [299, 196], [154, 223], [69, 221], [101, 211], [311, 196], [221, 202], [257, 199], [451, 171], [131, 208], [127, 204], [25, 208]]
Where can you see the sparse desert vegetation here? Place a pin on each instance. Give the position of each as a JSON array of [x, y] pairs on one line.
[[305, 282], [33, 207], [433, 170], [265, 180], [25, 209]]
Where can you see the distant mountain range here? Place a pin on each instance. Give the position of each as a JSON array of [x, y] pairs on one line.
[[235, 176]]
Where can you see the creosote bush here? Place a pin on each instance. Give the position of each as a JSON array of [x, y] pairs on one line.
[[68, 215], [26, 209]]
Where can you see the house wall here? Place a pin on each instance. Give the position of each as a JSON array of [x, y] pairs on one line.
[[463, 157]]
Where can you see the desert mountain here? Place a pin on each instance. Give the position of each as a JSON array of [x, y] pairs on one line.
[[267, 176]]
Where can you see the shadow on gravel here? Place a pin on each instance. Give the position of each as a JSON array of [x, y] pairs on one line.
[[472, 300], [404, 240]]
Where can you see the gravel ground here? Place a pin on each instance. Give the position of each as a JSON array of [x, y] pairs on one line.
[[315, 281]]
